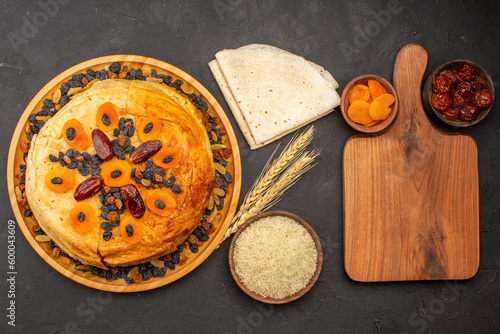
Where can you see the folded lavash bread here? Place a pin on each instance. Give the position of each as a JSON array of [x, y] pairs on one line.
[[272, 92]]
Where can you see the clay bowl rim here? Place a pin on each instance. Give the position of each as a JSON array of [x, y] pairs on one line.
[[455, 64], [299, 293], [344, 103]]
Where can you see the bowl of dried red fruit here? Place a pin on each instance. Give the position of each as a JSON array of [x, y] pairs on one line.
[[459, 93]]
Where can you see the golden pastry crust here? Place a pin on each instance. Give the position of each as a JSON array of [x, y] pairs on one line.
[[182, 129]]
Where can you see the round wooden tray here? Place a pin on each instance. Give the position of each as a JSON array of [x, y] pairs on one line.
[[234, 166], [299, 293]]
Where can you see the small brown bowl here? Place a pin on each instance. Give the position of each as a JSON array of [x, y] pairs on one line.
[[455, 65], [344, 103], [299, 293]]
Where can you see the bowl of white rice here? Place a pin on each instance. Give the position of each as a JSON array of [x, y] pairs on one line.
[[275, 257]]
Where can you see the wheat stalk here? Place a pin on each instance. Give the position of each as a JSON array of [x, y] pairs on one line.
[[274, 192], [270, 172]]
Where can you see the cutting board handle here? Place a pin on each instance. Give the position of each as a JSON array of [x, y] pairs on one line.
[[409, 70]]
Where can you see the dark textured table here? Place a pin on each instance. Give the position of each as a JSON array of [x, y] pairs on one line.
[[41, 39]]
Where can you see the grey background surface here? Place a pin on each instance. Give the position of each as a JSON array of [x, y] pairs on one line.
[[187, 34]]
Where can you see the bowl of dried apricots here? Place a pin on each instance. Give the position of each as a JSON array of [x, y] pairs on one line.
[[369, 103]]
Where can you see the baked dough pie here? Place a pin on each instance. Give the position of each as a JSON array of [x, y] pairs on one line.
[[102, 227]]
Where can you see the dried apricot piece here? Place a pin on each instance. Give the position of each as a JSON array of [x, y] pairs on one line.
[[75, 136], [167, 157], [376, 89], [116, 173], [60, 180], [149, 129], [359, 112], [107, 117], [380, 108], [131, 230], [161, 202], [359, 92], [82, 218], [372, 123]]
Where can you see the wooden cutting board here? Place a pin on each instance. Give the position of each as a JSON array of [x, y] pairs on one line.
[[411, 194]]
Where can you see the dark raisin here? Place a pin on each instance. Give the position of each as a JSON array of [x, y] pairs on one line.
[[138, 73], [115, 190], [95, 170], [107, 235], [222, 162], [221, 204], [53, 158], [80, 165], [131, 131], [101, 199], [116, 132], [170, 181], [69, 153], [32, 117], [138, 180], [106, 120], [132, 174], [29, 136], [154, 169], [91, 72], [84, 172], [159, 204], [176, 188], [125, 132], [81, 217], [194, 248], [70, 133], [72, 165], [48, 103], [64, 100], [86, 156], [149, 163], [87, 164], [121, 124], [115, 67], [104, 215], [64, 90], [228, 177], [130, 230], [56, 180], [168, 159], [129, 149], [170, 265], [204, 237], [148, 127], [95, 160]]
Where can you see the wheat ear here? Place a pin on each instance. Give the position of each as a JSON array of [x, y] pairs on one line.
[[270, 172], [269, 198]]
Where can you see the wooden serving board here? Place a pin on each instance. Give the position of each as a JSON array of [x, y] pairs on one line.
[[411, 194], [190, 85]]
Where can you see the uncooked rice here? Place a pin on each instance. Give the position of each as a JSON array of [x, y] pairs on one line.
[[275, 257]]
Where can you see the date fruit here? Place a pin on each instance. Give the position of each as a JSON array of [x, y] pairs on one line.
[[468, 112], [88, 188], [441, 102], [133, 200], [145, 151], [451, 114], [102, 145], [483, 98]]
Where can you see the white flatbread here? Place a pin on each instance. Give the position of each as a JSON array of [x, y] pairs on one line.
[[272, 92]]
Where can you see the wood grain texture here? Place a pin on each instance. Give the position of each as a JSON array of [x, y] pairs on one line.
[[65, 267], [299, 293], [411, 194]]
